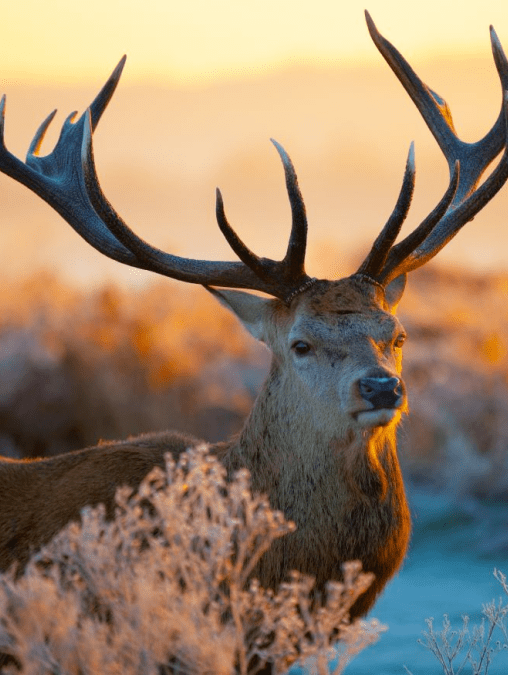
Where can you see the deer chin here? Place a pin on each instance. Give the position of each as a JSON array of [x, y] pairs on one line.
[[381, 417]]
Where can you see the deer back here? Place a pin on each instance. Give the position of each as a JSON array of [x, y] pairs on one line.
[[39, 497]]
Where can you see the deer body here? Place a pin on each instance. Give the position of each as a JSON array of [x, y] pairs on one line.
[[321, 438]]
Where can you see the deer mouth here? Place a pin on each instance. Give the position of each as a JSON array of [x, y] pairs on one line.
[[378, 417]]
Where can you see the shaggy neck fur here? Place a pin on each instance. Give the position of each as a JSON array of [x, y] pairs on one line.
[[343, 489]]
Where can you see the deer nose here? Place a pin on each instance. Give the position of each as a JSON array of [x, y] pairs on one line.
[[381, 392]]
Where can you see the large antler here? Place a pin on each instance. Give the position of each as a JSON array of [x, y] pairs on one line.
[[466, 162], [67, 180]]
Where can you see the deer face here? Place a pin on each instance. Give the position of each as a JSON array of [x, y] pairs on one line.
[[338, 350], [344, 347]]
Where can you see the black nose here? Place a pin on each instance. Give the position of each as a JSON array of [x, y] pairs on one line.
[[382, 392]]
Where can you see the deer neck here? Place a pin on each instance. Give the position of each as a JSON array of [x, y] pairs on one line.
[[342, 488]]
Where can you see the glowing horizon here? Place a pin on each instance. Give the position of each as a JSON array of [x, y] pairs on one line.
[[200, 42]]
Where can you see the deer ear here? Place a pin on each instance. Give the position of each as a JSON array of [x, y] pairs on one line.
[[250, 309], [394, 291]]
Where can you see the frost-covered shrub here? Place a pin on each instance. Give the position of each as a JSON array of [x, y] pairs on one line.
[[166, 587], [471, 649]]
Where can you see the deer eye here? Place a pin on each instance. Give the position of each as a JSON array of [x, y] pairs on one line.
[[400, 340], [301, 347]]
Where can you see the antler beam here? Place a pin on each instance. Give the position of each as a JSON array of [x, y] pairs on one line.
[[280, 279]]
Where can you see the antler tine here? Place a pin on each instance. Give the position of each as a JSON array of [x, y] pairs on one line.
[[374, 262], [294, 259], [499, 59], [2, 119], [53, 179], [474, 157], [403, 250], [150, 258], [242, 251], [495, 138], [67, 180], [39, 135], [100, 102], [463, 199], [97, 107]]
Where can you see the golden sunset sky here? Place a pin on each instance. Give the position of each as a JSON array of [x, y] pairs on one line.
[[196, 40]]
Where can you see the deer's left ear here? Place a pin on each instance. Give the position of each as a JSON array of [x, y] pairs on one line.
[[394, 291], [249, 308]]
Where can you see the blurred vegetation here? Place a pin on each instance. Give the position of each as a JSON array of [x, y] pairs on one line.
[[77, 367]]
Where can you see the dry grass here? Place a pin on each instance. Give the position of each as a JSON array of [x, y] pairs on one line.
[[456, 369], [76, 368], [164, 588]]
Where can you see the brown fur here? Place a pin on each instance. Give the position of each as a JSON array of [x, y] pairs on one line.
[[304, 443]]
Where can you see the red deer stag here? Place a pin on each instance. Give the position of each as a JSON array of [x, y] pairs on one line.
[[320, 440]]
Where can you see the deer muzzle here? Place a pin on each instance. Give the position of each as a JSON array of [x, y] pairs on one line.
[[382, 392]]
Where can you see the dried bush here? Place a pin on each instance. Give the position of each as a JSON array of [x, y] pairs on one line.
[[166, 587], [470, 649]]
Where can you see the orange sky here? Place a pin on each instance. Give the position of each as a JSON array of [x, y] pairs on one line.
[[201, 40]]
